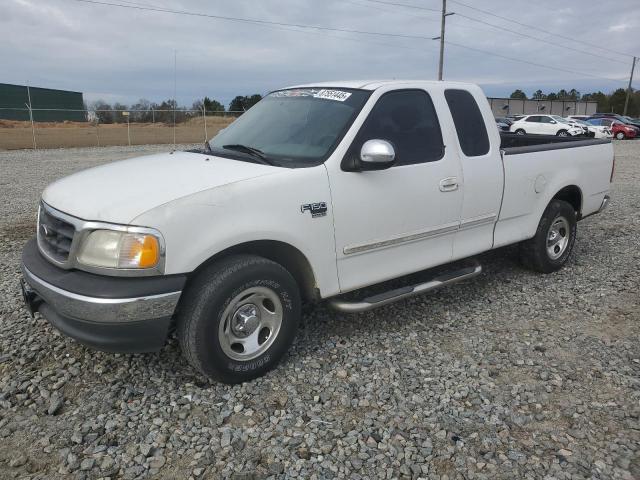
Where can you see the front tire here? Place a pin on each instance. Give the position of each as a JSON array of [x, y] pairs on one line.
[[553, 242], [620, 136], [238, 318], [562, 133], [520, 131]]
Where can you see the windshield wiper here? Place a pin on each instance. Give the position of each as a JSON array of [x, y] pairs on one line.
[[254, 152]]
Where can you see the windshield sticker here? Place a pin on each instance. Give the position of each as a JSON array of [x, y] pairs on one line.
[[295, 93], [337, 95]]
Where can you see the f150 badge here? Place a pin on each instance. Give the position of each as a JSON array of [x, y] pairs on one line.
[[316, 209]]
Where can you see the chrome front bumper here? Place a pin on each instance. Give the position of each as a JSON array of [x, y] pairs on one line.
[[102, 310], [115, 314]]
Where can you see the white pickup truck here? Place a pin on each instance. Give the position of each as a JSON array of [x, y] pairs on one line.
[[316, 191]]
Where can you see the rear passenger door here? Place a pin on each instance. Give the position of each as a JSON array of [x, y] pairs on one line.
[[482, 174], [532, 124], [548, 126]]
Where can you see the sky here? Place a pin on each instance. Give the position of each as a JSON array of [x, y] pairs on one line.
[[124, 54]]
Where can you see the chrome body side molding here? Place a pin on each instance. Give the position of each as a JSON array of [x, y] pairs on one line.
[[451, 228]]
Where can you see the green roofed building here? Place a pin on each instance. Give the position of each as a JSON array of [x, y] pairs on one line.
[[48, 105]]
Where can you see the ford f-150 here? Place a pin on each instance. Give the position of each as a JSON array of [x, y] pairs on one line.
[[316, 192]]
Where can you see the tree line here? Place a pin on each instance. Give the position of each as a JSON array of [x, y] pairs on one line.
[[146, 111], [607, 102]]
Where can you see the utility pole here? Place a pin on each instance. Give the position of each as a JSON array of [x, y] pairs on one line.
[[626, 101], [441, 37], [204, 117], [175, 92], [33, 128]]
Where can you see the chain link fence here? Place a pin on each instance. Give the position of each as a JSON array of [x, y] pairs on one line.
[[44, 128]]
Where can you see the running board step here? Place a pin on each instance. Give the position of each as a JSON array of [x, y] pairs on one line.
[[394, 295]]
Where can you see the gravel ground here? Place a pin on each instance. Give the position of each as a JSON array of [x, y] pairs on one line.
[[510, 375]]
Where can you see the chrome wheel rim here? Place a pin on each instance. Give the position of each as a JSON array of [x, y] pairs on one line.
[[250, 323], [562, 134], [620, 136], [558, 238]]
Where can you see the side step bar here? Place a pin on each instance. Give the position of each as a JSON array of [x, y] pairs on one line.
[[391, 296]]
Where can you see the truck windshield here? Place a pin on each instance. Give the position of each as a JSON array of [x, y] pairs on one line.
[[295, 127]]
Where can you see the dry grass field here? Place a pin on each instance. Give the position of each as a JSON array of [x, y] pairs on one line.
[[17, 135]]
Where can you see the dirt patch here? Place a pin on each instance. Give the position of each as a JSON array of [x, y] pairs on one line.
[[18, 135]]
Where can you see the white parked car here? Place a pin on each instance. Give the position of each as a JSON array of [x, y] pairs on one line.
[[596, 131], [574, 123], [545, 125], [315, 192]]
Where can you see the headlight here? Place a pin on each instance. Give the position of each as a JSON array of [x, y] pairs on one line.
[[114, 249]]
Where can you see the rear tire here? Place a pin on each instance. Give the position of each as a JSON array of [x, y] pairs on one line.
[[238, 318], [553, 242], [520, 132]]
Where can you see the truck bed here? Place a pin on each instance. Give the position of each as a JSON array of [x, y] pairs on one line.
[[512, 143], [538, 166]]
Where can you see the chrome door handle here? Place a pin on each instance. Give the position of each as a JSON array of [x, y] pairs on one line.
[[448, 184]]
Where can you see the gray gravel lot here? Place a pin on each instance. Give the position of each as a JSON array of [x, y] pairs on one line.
[[510, 375]]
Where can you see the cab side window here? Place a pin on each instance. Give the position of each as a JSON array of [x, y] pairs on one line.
[[533, 118], [470, 126], [545, 119], [407, 119]]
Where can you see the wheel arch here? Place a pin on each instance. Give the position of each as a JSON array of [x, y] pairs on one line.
[[572, 194], [284, 254]]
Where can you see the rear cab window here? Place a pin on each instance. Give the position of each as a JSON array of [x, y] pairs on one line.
[[469, 123]]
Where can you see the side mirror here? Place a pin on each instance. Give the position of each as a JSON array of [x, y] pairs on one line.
[[553, 121], [377, 155]]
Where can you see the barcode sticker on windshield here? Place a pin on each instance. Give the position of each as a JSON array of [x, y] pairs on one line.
[[337, 95]]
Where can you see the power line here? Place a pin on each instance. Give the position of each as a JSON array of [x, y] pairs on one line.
[[305, 32], [251, 20], [515, 32], [499, 27], [560, 69], [322, 29], [308, 31], [492, 25], [425, 15], [405, 5], [486, 12]]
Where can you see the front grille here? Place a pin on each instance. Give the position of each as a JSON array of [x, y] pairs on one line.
[[54, 236]]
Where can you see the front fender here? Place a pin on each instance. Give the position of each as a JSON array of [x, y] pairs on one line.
[[199, 226]]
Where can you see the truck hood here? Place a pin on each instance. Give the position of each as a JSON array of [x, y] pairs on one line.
[[120, 191]]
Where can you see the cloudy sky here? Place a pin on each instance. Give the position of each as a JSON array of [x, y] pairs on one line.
[[123, 54]]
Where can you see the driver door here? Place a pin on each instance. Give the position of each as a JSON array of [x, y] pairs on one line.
[[392, 222]]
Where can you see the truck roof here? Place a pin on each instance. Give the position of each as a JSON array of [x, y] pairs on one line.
[[374, 84]]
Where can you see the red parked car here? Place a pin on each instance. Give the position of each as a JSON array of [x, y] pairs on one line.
[[619, 130]]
